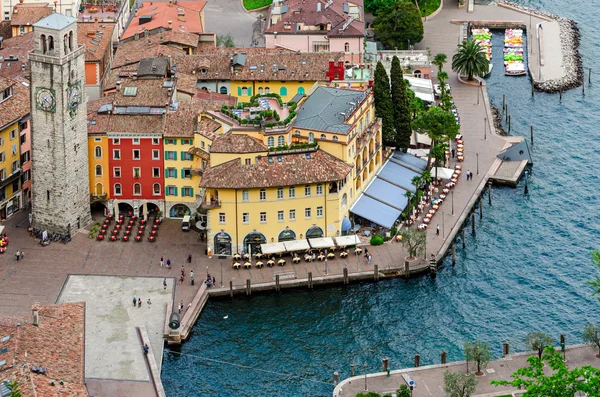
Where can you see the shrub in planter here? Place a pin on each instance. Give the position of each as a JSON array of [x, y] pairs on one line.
[[244, 121], [376, 240]]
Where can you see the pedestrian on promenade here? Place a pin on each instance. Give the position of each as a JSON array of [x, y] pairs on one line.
[[162, 262], [437, 230], [168, 263], [149, 302], [139, 302], [366, 253], [189, 258], [134, 300], [181, 279], [22, 255], [468, 175], [18, 255], [146, 348], [165, 283], [192, 276], [214, 280], [369, 259], [453, 153], [182, 270]]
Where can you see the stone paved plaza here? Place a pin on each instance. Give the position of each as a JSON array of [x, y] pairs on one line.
[[111, 320]]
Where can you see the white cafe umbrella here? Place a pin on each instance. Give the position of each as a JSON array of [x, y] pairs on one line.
[[442, 173], [145, 210], [116, 208]]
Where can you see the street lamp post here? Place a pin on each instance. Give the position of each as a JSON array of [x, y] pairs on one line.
[[443, 226], [484, 128], [221, 274], [477, 163], [452, 194], [357, 263]]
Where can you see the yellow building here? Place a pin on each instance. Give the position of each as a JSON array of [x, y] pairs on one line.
[[294, 182], [98, 159], [14, 112], [25, 15]]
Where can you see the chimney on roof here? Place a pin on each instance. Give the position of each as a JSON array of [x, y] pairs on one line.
[[146, 33], [118, 85], [136, 13], [36, 316], [170, 24], [170, 3], [136, 36]]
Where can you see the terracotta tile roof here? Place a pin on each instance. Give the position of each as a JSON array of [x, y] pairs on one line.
[[57, 343], [132, 51], [185, 17], [98, 123], [18, 105], [19, 47], [97, 38], [120, 74], [237, 143], [207, 127], [137, 123], [306, 12], [29, 13], [186, 83], [293, 169], [248, 50], [149, 93], [176, 37], [291, 66], [183, 122]]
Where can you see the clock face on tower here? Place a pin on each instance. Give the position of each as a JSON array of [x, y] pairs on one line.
[[45, 99], [74, 97]]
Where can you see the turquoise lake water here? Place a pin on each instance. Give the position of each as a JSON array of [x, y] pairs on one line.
[[525, 269]]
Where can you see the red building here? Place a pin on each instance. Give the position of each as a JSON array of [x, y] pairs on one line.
[[136, 162]]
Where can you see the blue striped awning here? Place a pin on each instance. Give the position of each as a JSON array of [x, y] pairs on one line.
[[387, 193], [375, 211], [409, 161], [398, 175]]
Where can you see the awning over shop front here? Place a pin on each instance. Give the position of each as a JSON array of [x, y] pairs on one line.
[[272, 248], [296, 245], [344, 241], [375, 211], [409, 161], [398, 175], [387, 193], [322, 242]]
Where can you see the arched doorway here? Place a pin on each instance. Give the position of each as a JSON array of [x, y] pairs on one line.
[[98, 210], [222, 244], [179, 211], [286, 235], [314, 232], [252, 242], [125, 209]]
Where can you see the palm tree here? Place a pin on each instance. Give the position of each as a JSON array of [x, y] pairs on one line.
[[470, 60], [442, 77], [408, 195], [426, 176], [416, 182], [439, 60]]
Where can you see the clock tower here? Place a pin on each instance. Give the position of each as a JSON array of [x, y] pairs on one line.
[[60, 179]]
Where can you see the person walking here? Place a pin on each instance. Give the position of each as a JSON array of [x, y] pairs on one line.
[[165, 283], [192, 276], [162, 262], [168, 263], [22, 255], [468, 175], [18, 255], [437, 230], [139, 302], [189, 258], [453, 153], [134, 300], [369, 259]]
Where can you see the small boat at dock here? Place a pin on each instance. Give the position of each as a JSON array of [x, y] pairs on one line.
[[514, 61]]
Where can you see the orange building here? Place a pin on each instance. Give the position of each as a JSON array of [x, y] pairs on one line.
[[97, 38]]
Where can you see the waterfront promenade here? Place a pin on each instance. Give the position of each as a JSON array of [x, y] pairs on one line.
[[429, 380]]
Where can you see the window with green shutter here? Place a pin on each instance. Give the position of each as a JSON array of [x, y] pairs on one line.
[[249, 91], [239, 91]]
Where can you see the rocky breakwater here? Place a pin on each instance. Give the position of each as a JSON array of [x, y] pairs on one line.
[[569, 42]]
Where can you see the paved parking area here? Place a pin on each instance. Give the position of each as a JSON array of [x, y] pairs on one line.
[[230, 17], [111, 320]]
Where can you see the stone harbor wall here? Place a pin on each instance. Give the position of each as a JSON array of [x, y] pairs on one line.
[[570, 50]]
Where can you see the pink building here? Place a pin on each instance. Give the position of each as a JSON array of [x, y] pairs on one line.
[[317, 26], [25, 139]]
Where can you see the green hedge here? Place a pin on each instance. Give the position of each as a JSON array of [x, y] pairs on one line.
[[376, 240], [254, 4]]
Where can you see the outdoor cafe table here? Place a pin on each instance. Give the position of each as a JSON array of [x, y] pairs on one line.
[[236, 265], [458, 167], [321, 257], [296, 259], [258, 255], [358, 250], [308, 257], [426, 220], [270, 262], [237, 257], [330, 255], [429, 216], [259, 264], [343, 254], [246, 256], [281, 262], [247, 265], [460, 158]]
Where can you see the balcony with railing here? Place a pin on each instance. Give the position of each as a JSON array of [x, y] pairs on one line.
[[94, 198], [11, 178]]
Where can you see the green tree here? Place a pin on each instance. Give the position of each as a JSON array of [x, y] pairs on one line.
[[403, 391], [13, 386], [591, 336], [596, 282], [439, 60], [414, 241], [383, 104], [401, 105], [416, 181], [538, 341], [478, 352], [427, 179], [442, 78], [458, 384], [225, 40], [375, 7], [399, 26], [469, 60], [368, 394], [409, 196], [560, 381], [438, 124]]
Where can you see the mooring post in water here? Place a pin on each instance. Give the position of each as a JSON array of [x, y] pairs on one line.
[[433, 266], [508, 123], [277, 282], [531, 135], [310, 284], [503, 102], [473, 223], [506, 113], [231, 288], [352, 370], [417, 360], [376, 272], [480, 210], [406, 269], [384, 364], [453, 255], [336, 378], [443, 357], [560, 95], [589, 75], [248, 287], [532, 87], [505, 349], [489, 193], [583, 86], [345, 275], [464, 242]]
